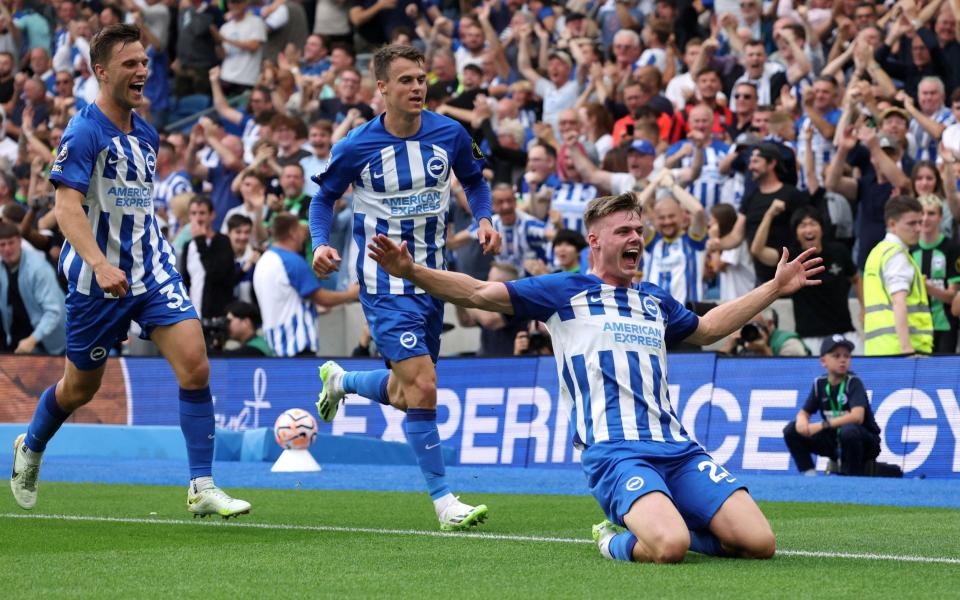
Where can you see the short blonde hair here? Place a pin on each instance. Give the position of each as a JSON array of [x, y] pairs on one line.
[[931, 200], [607, 205]]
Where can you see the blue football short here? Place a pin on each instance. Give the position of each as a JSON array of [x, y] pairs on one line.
[[94, 325], [404, 326], [621, 472]]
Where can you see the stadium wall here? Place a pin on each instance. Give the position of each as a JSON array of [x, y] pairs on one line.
[[505, 411]]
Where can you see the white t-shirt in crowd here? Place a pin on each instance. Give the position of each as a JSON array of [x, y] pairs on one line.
[[240, 66]]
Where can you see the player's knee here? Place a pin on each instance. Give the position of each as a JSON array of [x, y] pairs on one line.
[[763, 546], [421, 392], [671, 550], [195, 374], [668, 546]]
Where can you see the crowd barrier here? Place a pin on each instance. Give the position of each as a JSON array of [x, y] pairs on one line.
[[506, 411]]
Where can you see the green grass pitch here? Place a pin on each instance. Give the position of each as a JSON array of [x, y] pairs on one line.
[[310, 544]]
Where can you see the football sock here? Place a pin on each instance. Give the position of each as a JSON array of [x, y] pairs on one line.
[[621, 546], [421, 429], [704, 542], [369, 384], [197, 425], [47, 419], [198, 484]]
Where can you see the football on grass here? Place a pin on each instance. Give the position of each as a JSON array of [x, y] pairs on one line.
[[295, 429]]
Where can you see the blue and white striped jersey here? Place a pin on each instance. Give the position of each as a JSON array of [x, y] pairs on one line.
[[283, 282], [174, 184], [706, 188], [927, 145], [401, 188], [114, 171], [676, 266], [610, 346], [571, 200], [823, 149], [526, 238]]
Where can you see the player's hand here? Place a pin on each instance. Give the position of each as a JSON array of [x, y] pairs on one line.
[[112, 280], [488, 237], [798, 273], [326, 260], [394, 259]]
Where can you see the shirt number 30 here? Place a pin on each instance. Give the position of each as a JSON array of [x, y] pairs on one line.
[[177, 299]]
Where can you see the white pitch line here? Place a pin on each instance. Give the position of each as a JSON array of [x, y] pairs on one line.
[[442, 534]]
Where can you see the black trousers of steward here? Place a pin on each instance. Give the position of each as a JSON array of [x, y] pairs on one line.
[[852, 446]]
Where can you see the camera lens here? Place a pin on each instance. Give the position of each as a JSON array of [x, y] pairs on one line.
[[749, 333]]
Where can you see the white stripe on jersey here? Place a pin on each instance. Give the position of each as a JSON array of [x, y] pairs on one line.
[[391, 180], [86, 273], [137, 269], [393, 231], [369, 265], [416, 167]]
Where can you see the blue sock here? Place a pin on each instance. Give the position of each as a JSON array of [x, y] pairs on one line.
[[197, 424], [421, 428], [621, 546], [47, 419], [369, 384], [704, 542]]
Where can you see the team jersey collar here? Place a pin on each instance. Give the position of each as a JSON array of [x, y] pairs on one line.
[[933, 245]]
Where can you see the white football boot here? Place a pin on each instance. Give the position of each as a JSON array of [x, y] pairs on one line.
[[602, 534], [331, 374], [23, 479], [458, 516], [214, 501]]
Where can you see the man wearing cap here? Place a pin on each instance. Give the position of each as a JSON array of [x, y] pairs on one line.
[[640, 157], [846, 432], [869, 192]]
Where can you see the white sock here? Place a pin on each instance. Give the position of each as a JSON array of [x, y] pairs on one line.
[[605, 547], [198, 484], [32, 458], [810, 472], [441, 503]]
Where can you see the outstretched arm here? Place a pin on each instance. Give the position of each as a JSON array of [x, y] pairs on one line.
[[731, 316], [449, 286]]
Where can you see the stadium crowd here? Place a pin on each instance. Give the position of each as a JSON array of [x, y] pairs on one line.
[[746, 126]]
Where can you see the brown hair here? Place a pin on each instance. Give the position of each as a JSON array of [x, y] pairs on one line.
[[284, 225], [607, 205], [386, 55], [8, 230], [101, 46], [898, 206]]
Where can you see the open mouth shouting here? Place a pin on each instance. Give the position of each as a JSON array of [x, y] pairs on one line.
[[136, 89], [631, 259]]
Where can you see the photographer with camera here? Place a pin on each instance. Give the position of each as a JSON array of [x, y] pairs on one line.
[[242, 326], [206, 263], [762, 337], [533, 341]]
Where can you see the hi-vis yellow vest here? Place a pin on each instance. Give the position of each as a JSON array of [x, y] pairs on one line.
[[880, 336]]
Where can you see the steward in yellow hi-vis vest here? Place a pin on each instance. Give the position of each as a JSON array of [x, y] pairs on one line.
[[896, 309]]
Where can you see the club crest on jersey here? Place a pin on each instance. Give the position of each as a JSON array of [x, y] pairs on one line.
[[651, 307], [61, 158], [634, 483], [151, 160], [437, 167]]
